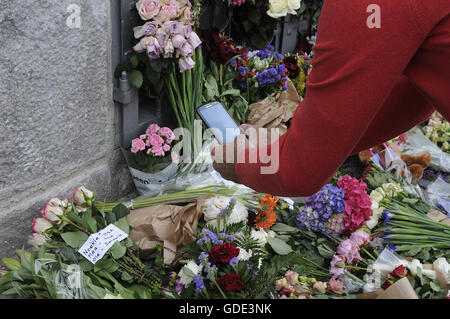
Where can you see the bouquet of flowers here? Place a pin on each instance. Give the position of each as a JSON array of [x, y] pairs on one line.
[[261, 73], [149, 158], [438, 131], [299, 67]]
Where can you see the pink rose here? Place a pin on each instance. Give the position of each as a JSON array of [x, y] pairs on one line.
[[137, 145], [168, 50], [187, 30], [148, 9], [143, 44], [194, 40], [291, 276], [40, 225], [281, 283], [186, 64], [82, 196], [337, 265], [173, 27], [148, 28], [152, 129], [336, 286], [167, 13], [154, 49], [360, 238], [320, 286], [186, 16], [36, 240], [349, 250], [52, 210], [162, 37], [288, 289], [186, 50], [178, 41]]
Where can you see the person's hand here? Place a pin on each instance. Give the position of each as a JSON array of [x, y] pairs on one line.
[[225, 156]]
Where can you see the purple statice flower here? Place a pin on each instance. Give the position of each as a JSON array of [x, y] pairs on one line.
[[233, 261], [226, 236], [243, 85], [233, 63], [211, 271], [204, 260], [210, 236], [249, 267], [243, 70], [199, 284]]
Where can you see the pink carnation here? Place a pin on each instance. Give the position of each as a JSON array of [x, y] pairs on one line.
[[357, 203], [156, 140], [152, 129]]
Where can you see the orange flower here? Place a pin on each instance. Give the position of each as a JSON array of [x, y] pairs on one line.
[[266, 214]]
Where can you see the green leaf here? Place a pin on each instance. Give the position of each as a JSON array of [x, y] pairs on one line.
[[75, 239], [89, 221], [324, 251], [136, 78], [120, 211], [141, 292], [279, 246], [126, 276], [232, 92], [110, 217], [69, 254], [106, 264], [123, 225], [86, 265], [11, 264], [134, 61], [118, 250]]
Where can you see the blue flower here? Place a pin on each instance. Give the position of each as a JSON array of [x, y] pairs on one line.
[[233, 63], [387, 217], [392, 247], [199, 284], [233, 261]]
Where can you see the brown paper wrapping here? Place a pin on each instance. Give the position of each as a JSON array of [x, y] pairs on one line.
[[401, 289], [167, 224], [276, 110]]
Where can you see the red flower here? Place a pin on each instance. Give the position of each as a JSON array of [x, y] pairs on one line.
[[387, 284], [231, 282], [251, 74], [399, 272], [223, 253]]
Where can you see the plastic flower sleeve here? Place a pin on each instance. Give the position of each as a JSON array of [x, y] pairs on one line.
[[418, 142], [387, 261], [438, 191]]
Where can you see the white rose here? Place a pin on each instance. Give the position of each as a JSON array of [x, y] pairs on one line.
[[192, 266], [294, 5], [377, 195], [244, 254], [278, 8], [372, 222]]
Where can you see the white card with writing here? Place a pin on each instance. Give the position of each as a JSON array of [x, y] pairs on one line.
[[99, 243]]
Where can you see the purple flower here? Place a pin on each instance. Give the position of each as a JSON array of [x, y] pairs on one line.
[[392, 247], [199, 284], [233, 261], [387, 217]]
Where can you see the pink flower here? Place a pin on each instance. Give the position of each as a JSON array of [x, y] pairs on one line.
[[320, 286], [288, 289], [360, 238], [281, 283], [143, 44], [168, 49], [349, 250], [186, 64], [40, 225], [137, 145], [82, 196], [158, 151], [168, 13], [186, 50], [166, 148], [148, 9], [178, 41], [186, 16], [336, 286], [291, 277], [36, 240], [162, 37], [337, 265], [153, 49], [173, 27], [152, 129], [187, 31], [156, 140], [194, 40], [148, 28], [53, 210], [167, 133]]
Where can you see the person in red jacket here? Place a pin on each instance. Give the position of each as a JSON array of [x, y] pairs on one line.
[[380, 67]]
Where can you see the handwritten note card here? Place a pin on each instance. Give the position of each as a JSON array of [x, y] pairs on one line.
[[99, 243]]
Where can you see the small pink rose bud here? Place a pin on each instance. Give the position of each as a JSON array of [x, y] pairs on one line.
[[40, 225], [291, 276], [320, 287], [83, 197]]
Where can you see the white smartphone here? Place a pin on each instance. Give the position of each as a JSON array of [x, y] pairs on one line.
[[219, 121]]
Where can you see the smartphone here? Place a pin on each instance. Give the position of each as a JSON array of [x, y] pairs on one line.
[[216, 118]]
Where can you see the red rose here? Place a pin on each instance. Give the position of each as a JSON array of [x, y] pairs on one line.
[[399, 272], [223, 253], [231, 282], [387, 284]]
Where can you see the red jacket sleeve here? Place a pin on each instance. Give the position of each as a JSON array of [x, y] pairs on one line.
[[354, 70]]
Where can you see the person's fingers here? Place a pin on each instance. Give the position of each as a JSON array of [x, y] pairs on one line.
[[245, 127]]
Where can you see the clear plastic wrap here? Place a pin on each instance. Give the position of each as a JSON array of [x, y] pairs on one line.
[[438, 192], [417, 142], [387, 261]]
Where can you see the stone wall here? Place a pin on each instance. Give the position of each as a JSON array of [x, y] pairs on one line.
[[56, 110]]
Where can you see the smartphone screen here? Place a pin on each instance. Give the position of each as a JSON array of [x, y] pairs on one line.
[[219, 121]]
